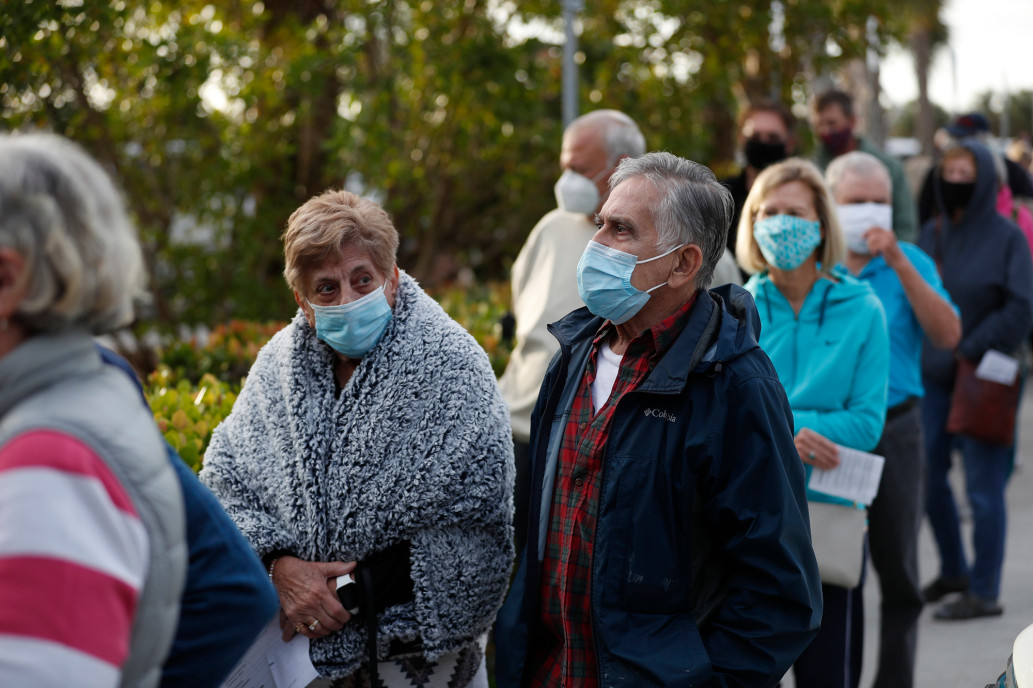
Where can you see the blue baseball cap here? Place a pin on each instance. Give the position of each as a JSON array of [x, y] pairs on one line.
[[969, 125]]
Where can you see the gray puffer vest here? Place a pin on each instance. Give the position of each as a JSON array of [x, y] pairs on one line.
[[58, 382]]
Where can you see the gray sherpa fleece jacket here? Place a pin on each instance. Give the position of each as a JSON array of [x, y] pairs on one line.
[[417, 446]]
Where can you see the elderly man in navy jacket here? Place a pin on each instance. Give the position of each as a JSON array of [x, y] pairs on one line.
[[668, 540]]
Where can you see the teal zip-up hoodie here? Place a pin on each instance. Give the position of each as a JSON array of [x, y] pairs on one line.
[[833, 359]]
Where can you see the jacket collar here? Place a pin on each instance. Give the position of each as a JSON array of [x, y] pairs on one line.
[[722, 325], [42, 360]]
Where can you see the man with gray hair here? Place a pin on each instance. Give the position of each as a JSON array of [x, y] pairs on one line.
[[669, 541], [917, 308], [543, 277]]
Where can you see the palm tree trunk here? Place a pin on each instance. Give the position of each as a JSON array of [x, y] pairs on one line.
[[921, 50]]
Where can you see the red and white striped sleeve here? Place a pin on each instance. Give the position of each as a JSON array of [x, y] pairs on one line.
[[73, 559]]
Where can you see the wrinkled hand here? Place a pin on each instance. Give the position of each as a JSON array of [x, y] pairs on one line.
[[307, 594], [816, 449], [883, 242]]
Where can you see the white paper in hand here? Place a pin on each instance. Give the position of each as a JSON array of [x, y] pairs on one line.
[[272, 662], [998, 367], [856, 478]]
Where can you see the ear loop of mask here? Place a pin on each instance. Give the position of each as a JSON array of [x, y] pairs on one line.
[[650, 260]]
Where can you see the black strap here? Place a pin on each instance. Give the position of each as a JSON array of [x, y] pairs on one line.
[[900, 409], [365, 581]]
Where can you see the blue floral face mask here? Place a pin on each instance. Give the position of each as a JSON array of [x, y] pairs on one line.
[[352, 329], [604, 282], [786, 241]]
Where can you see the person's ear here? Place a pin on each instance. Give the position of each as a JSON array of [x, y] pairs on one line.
[[686, 268], [305, 308], [12, 281], [391, 288]]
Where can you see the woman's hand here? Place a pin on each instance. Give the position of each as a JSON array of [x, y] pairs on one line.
[[816, 449], [308, 601]]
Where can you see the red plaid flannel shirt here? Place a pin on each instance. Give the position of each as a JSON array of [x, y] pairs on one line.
[[566, 654]]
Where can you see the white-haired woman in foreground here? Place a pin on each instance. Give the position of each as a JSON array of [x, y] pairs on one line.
[[92, 542]]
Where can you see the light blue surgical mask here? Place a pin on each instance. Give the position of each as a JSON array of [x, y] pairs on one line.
[[786, 241], [604, 282], [352, 329]]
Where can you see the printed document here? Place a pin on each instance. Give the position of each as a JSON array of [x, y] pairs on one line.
[[272, 663], [856, 478]]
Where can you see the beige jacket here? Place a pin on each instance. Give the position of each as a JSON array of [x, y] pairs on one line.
[[544, 281]]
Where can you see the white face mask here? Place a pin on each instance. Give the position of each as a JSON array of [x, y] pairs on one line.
[[576, 193], [858, 218]]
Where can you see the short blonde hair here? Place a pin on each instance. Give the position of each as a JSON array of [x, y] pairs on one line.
[[794, 169], [327, 222], [62, 213]]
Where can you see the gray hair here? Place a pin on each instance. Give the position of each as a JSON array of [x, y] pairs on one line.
[[694, 207], [620, 135], [857, 163], [62, 213]]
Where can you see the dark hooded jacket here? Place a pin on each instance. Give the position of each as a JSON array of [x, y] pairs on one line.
[[985, 264], [702, 568]]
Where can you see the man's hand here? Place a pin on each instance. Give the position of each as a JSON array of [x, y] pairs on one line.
[[307, 596], [882, 242], [816, 449]]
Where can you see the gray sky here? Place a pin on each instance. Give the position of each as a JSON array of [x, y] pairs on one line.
[[992, 43]]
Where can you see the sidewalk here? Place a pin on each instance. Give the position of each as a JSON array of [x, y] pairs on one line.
[[970, 654], [974, 653]]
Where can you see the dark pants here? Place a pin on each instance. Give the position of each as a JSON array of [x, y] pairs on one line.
[[834, 658], [894, 521], [987, 467], [521, 492]]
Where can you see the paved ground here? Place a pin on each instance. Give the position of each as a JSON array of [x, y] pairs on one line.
[[971, 654]]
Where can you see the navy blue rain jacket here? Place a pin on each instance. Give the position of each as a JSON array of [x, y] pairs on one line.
[[702, 570], [985, 264]]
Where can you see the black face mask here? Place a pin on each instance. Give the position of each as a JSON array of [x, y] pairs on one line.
[[760, 154], [956, 194]]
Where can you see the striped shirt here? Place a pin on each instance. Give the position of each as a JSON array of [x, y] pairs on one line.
[[73, 559]]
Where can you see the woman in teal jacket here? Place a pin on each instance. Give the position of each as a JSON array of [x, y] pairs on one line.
[[825, 333]]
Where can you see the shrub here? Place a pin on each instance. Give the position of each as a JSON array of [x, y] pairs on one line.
[[227, 353], [187, 413]]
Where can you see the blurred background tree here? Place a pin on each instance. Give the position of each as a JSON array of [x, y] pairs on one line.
[[219, 120], [1009, 115]]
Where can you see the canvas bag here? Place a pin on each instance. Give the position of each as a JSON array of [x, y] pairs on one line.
[[837, 535]]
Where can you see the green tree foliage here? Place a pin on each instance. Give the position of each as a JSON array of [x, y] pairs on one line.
[[220, 119]]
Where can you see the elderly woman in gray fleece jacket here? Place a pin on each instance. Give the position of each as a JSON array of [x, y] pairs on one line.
[[372, 422]]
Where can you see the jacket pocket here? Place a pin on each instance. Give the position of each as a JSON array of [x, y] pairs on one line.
[[647, 650], [651, 558]]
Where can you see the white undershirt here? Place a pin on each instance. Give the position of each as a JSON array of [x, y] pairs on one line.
[[607, 365]]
